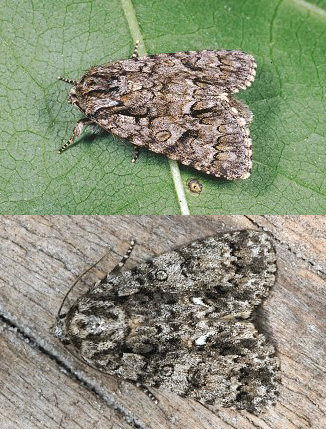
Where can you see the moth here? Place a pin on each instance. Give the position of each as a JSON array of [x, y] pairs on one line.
[[184, 322], [179, 105]]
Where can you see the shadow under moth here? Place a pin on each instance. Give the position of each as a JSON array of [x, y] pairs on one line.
[[184, 321], [178, 104]]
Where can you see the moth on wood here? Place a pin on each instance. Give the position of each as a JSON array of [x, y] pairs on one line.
[[179, 105], [185, 322]]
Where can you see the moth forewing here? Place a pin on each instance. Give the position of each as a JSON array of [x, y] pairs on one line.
[[179, 105]]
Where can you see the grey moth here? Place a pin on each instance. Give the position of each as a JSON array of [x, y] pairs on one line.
[[178, 104], [185, 322]]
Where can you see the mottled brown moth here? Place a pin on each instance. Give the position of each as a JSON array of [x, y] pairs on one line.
[[178, 104], [184, 322]]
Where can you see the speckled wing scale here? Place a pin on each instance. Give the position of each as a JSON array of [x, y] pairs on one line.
[[184, 322], [179, 105]]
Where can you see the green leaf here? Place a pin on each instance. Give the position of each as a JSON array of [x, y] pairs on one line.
[[41, 40]]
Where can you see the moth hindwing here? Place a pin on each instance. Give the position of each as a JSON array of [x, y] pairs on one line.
[[185, 322], [179, 105]]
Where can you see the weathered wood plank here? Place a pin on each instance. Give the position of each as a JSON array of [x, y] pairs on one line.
[[41, 256], [305, 236], [35, 394]]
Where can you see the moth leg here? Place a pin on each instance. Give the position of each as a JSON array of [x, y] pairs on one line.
[[79, 127], [123, 260], [136, 154], [135, 54], [147, 392]]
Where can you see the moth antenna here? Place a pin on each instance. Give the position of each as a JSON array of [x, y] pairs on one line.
[[76, 281], [116, 268], [71, 81]]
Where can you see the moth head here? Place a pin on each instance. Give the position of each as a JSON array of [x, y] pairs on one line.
[[59, 329], [72, 97]]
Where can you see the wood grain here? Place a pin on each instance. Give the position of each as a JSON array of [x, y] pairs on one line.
[[43, 386]]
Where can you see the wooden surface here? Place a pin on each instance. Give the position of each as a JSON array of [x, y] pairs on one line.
[[43, 386]]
